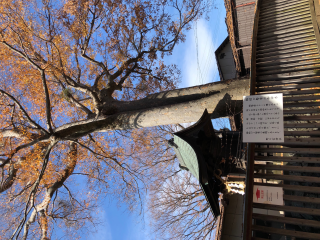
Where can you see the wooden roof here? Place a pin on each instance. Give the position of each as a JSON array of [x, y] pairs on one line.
[[191, 157]]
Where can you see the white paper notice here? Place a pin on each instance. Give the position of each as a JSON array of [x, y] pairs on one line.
[[263, 118], [268, 195]]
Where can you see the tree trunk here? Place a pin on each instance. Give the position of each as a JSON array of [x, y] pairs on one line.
[[221, 99]]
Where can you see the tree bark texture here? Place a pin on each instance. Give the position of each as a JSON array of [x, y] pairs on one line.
[[177, 106]]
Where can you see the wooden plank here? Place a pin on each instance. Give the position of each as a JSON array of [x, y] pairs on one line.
[[279, 62], [265, 30], [279, 70], [287, 168], [293, 178], [278, 2], [287, 32], [249, 192], [288, 36], [302, 141], [302, 111], [286, 51], [285, 44], [303, 104], [295, 198], [301, 26], [296, 142], [284, 232], [302, 133], [279, 22], [290, 86], [314, 22], [288, 159], [285, 76], [285, 15], [287, 56], [287, 220], [291, 66], [301, 98], [247, 231], [263, 59], [300, 92], [253, 73], [290, 13], [292, 81], [284, 24], [310, 211], [289, 150], [298, 188], [270, 48], [302, 125], [284, 9], [286, 40], [302, 118], [272, 6]]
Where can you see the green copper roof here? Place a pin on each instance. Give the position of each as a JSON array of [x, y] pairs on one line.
[[186, 156]]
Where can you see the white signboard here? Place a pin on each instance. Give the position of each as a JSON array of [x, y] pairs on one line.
[[263, 118], [268, 195]]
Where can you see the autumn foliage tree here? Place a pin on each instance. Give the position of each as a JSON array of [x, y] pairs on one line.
[[79, 79]]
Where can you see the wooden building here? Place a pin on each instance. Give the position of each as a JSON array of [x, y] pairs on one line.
[[210, 156], [285, 59], [234, 53], [239, 21], [278, 41], [225, 61]]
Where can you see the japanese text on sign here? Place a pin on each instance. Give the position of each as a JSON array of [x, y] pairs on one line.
[[263, 118], [268, 195]]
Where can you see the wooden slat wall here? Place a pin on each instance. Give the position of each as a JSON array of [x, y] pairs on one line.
[[285, 58]]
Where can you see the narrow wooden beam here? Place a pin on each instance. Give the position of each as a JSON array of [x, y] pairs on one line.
[[293, 178], [302, 125], [249, 192], [288, 159], [302, 118], [287, 168], [247, 231], [294, 221], [298, 188], [295, 198], [297, 141], [302, 133], [288, 150], [310, 211], [285, 232]]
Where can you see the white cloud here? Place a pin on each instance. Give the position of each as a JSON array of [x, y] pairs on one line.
[[103, 231], [201, 42]]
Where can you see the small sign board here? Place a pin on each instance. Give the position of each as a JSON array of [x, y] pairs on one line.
[[263, 118], [268, 195]]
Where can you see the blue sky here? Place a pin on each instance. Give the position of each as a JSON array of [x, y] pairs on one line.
[[118, 223]]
